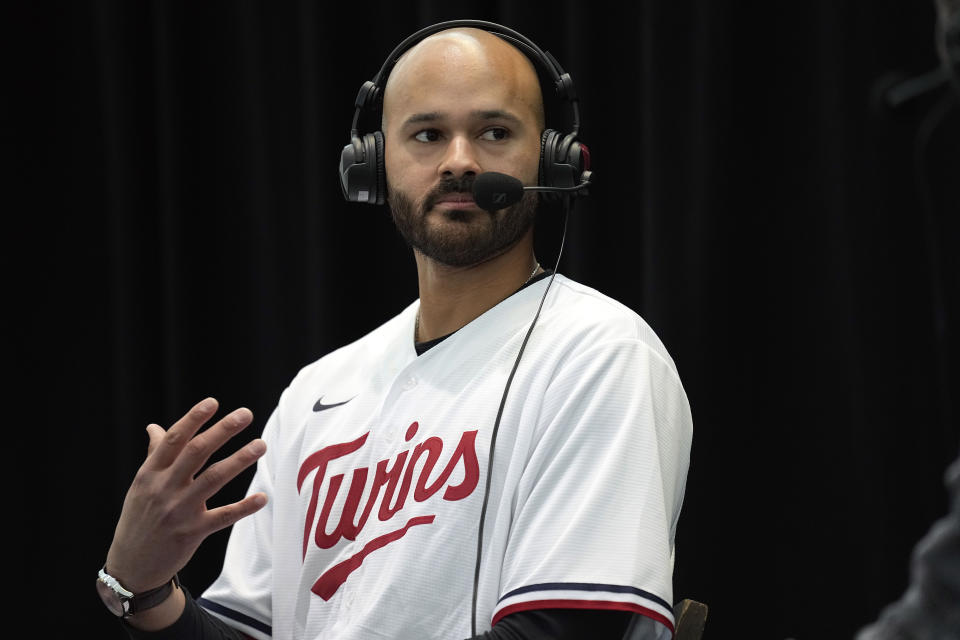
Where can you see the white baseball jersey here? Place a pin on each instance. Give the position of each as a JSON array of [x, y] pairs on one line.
[[377, 459]]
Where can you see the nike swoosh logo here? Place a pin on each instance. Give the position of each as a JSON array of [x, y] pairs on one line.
[[323, 407]]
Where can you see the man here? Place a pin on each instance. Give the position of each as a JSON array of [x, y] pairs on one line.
[[379, 454]]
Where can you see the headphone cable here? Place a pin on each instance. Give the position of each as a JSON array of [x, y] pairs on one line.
[[496, 424]]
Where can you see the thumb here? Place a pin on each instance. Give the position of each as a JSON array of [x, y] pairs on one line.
[[155, 433]]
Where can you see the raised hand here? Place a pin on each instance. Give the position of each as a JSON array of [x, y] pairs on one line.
[[165, 516]]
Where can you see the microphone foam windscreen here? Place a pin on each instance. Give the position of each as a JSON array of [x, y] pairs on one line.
[[493, 191]]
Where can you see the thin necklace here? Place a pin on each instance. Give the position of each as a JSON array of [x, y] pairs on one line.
[[416, 323]]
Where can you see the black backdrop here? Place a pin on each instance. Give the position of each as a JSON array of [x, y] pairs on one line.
[[176, 230]]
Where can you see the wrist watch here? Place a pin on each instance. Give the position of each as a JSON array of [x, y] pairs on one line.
[[123, 603]]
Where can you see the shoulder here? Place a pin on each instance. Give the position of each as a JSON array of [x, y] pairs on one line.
[[351, 366], [588, 320]]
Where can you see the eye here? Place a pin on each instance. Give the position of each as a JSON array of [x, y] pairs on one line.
[[495, 133], [427, 135]]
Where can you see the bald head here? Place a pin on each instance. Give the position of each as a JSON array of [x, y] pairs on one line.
[[458, 104], [452, 58]]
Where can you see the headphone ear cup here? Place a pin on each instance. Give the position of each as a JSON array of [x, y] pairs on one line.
[[563, 161], [351, 168], [362, 175], [576, 158], [567, 153], [375, 141], [548, 146]]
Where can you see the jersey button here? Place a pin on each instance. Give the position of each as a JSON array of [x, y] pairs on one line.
[[410, 383]]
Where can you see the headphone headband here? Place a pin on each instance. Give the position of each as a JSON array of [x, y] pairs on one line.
[[372, 90], [564, 160]]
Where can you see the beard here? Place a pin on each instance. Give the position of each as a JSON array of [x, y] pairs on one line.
[[467, 237]]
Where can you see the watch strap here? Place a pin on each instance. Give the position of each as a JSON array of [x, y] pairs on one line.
[[135, 603], [151, 598]]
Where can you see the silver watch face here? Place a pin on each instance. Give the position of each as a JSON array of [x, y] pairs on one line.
[[114, 601]]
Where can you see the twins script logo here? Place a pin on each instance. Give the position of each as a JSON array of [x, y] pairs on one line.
[[386, 479]]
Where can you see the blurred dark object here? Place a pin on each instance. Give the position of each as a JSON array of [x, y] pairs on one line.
[[895, 91], [691, 617], [930, 608]]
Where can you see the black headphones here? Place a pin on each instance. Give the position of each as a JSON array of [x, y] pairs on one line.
[[564, 160]]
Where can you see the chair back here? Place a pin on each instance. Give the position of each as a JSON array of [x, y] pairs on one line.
[[690, 617]]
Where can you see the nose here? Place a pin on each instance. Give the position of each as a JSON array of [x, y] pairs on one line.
[[459, 159]]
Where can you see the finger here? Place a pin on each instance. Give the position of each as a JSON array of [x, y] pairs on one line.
[[155, 433], [219, 474], [223, 517], [196, 452], [177, 436]]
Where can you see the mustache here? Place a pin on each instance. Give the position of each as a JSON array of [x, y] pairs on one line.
[[450, 185]]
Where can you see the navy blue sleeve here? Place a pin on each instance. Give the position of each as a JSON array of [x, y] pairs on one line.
[[543, 624], [193, 624], [560, 624]]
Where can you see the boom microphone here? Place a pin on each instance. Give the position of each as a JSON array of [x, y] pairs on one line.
[[493, 191]]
